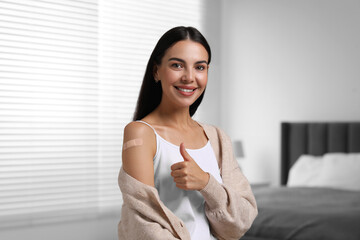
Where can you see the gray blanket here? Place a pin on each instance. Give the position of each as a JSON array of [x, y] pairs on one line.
[[306, 213]]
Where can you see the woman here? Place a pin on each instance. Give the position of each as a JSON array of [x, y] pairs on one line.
[[169, 191]]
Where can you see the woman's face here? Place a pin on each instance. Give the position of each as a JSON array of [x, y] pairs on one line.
[[183, 73]]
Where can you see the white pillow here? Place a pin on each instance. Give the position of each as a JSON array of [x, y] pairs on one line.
[[305, 171], [340, 170]]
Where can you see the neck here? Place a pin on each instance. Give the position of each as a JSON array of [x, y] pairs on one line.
[[172, 116]]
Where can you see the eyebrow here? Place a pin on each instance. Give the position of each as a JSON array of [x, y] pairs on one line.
[[181, 60]]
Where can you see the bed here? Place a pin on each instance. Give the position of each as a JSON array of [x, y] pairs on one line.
[[309, 207]]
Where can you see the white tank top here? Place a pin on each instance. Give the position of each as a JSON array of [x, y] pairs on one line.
[[189, 206]]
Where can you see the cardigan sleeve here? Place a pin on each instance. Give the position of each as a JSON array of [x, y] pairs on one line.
[[230, 207], [144, 216], [134, 225]]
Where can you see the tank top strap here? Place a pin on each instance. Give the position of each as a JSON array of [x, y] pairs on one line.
[[148, 125], [156, 136]]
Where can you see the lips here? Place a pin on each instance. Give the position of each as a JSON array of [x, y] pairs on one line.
[[186, 91]]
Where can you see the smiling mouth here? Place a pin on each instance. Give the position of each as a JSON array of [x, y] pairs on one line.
[[185, 90]]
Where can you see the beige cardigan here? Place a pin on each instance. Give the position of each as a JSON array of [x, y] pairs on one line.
[[230, 207]]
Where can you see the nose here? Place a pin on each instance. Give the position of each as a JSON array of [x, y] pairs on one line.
[[188, 76]]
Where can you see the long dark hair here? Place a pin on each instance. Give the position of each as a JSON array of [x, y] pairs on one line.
[[151, 91]]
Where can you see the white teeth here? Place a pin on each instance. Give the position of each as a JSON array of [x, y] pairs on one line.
[[186, 90]]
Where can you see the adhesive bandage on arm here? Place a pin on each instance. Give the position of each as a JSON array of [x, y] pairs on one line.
[[133, 143]]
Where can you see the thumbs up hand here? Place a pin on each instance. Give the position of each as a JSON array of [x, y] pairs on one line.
[[187, 174]]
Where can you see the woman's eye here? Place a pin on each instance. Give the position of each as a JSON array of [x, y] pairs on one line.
[[176, 65], [201, 67]]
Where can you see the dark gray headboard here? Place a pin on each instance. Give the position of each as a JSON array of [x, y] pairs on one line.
[[316, 138]]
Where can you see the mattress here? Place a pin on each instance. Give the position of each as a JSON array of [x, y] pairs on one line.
[[306, 213]]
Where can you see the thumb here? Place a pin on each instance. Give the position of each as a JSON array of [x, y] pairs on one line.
[[184, 153]]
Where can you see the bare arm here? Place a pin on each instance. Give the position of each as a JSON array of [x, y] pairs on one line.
[[138, 160], [142, 211]]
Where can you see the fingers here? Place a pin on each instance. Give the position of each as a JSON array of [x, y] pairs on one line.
[[179, 165], [182, 186], [182, 182], [178, 173], [179, 177], [184, 153], [186, 174]]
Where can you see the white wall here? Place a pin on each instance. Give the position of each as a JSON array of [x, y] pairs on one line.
[[208, 110], [286, 61]]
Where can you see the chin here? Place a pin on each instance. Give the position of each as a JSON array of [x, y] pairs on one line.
[[187, 103]]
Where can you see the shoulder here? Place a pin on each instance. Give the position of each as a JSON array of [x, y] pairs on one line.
[[138, 129], [213, 132], [218, 138], [137, 158]]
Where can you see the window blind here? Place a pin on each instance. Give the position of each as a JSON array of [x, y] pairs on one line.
[[70, 73], [48, 111]]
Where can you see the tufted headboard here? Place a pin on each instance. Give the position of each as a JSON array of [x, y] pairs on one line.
[[316, 138]]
